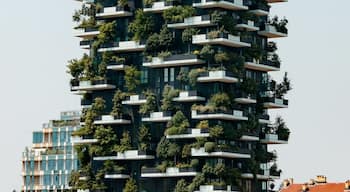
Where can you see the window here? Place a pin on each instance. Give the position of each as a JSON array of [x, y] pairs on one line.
[[60, 164], [68, 164], [172, 74], [51, 164], [54, 137], [62, 137], [144, 76], [43, 165], [37, 137], [166, 75]]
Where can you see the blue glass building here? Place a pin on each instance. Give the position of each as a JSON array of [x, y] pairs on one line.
[[47, 164]]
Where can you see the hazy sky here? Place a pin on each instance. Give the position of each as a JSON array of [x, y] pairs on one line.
[[36, 41]]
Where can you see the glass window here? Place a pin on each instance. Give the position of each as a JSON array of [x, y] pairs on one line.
[[166, 75], [172, 74], [54, 137], [63, 136], [144, 76], [37, 137], [52, 164], [60, 164], [43, 165], [68, 164]]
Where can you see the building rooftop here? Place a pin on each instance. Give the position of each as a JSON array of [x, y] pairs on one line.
[[319, 184]]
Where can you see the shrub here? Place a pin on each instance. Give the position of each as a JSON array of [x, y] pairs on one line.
[[209, 146], [178, 13], [204, 124], [142, 26], [132, 78]]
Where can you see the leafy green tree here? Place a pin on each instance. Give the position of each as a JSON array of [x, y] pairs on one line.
[[144, 137], [130, 186], [81, 68], [178, 13], [187, 37], [132, 78], [106, 141], [283, 87], [142, 26], [216, 131], [117, 109], [150, 105], [168, 94], [125, 143], [282, 130], [178, 124], [181, 186], [207, 53], [220, 101]]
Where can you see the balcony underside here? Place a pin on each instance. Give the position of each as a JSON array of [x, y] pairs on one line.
[[272, 34], [271, 105], [246, 27], [260, 67], [174, 63], [259, 12], [117, 176], [115, 14], [244, 100], [220, 41], [220, 4], [117, 67], [188, 25], [259, 176]]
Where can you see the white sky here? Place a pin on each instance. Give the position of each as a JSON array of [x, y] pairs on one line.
[[36, 41]]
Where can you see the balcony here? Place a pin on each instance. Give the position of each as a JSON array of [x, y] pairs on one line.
[[260, 9], [224, 4], [170, 172], [249, 137], [191, 134], [158, 7], [264, 119], [188, 96], [116, 66], [196, 21], [123, 46], [247, 25], [217, 188], [271, 31], [135, 100], [221, 39], [87, 33], [92, 85], [217, 76], [81, 140], [117, 175], [224, 153], [87, 1], [277, 1], [263, 174], [230, 115], [173, 61], [85, 44], [158, 117], [245, 99], [110, 120], [114, 12], [275, 103], [272, 139], [126, 155], [265, 66]]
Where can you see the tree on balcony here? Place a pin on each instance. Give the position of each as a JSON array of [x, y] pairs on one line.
[[161, 42], [117, 110], [148, 3], [181, 186], [183, 78], [207, 53], [142, 26], [150, 105], [282, 130], [224, 22], [167, 150], [178, 13], [178, 124], [169, 94], [125, 143], [132, 78], [280, 25], [204, 124], [283, 87], [106, 138], [193, 75], [107, 34], [81, 69], [187, 37], [144, 138], [130, 186]]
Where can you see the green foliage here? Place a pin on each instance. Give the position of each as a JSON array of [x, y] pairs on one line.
[[161, 42], [209, 146], [249, 86], [142, 26], [198, 180], [207, 53], [186, 151], [168, 94], [150, 105], [199, 142], [216, 131], [130, 186], [148, 3], [122, 3], [106, 141], [178, 13], [282, 130], [167, 150], [119, 96], [280, 25], [225, 22], [144, 137], [193, 74], [181, 186], [194, 163], [132, 78], [220, 101], [188, 33], [283, 87], [204, 124], [81, 68], [125, 143], [178, 124], [107, 32]]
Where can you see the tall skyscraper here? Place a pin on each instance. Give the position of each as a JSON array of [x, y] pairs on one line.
[[175, 95]]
